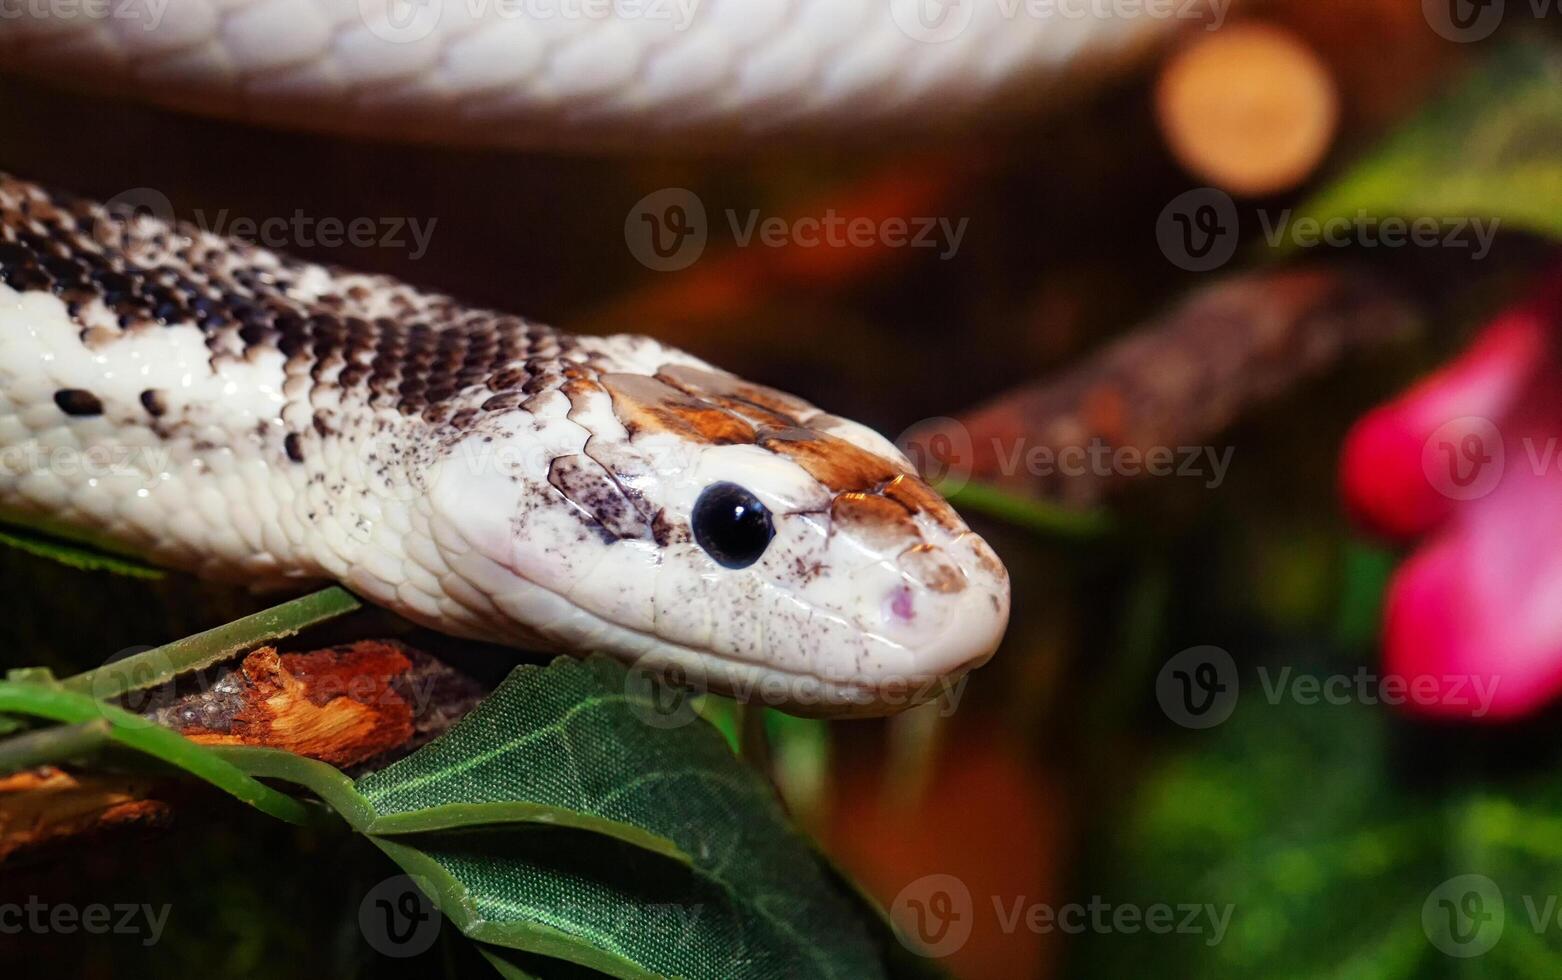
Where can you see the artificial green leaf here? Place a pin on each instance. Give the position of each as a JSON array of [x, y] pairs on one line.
[[593, 831], [1305, 821], [579, 737], [1488, 151], [512, 964], [594, 901], [342, 795]]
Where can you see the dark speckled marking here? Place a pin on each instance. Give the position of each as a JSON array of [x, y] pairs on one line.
[[76, 401], [412, 351], [155, 402]]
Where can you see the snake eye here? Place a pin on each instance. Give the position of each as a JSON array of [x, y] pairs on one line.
[[731, 525]]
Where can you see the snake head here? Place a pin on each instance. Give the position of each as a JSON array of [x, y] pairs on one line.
[[739, 538]]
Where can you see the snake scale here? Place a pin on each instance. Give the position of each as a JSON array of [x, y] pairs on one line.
[[222, 408]]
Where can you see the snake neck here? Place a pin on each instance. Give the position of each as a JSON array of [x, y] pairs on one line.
[[222, 408]]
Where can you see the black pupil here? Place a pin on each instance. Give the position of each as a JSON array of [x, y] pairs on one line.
[[731, 525]]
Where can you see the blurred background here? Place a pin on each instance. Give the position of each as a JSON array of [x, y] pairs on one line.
[[1190, 737]]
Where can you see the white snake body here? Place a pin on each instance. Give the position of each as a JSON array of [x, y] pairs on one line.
[[219, 408], [594, 73]]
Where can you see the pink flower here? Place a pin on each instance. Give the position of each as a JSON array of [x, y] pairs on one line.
[[1470, 460]]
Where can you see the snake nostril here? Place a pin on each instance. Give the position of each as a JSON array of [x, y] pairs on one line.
[[900, 605]]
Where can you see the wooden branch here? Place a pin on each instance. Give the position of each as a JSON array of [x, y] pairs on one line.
[[358, 707], [345, 705], [1174, 382], [43, 808]]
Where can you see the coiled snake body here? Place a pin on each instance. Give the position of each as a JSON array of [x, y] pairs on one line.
[[220, 408]]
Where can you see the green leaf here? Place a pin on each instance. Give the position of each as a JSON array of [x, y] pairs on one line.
[[73, 555], [52, 745], [1490, 150], [1033, 514], [160, 665], [565, 817], [1301, 819], [579, 737], [135, 732], [512, 964]]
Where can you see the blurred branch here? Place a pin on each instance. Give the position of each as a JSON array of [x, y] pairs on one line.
[[359, 706], [1170, 385], [44, 807]]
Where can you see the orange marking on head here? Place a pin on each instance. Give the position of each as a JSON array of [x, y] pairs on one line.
[[645, 404]]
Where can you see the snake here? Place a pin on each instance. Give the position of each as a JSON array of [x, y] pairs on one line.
[[219, 407]]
